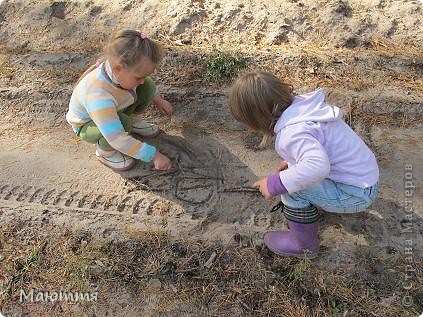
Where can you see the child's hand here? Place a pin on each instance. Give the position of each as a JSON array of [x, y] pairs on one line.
[[161, 162], [164, 106], [283, 165], [261, 185]]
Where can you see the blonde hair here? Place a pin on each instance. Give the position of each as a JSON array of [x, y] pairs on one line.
[[128, 47], [258, 99]]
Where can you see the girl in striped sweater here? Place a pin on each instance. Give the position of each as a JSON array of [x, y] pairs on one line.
[[107, 101]]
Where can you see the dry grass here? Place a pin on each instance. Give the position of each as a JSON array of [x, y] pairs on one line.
[[166, 277], [60, 77], [7, 71], [305, 66]]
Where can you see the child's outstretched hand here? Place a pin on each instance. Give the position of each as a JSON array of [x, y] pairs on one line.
[[161, 162], [261, 185], [283, 165], [163, 105]]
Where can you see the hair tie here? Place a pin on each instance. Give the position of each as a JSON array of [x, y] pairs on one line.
[[143, 36]]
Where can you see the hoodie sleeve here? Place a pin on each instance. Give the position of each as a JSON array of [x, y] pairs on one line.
[[310, 163]]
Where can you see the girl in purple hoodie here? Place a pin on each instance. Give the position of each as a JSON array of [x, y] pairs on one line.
[[324, 162]]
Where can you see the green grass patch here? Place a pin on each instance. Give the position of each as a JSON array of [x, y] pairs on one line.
[[222, 66]]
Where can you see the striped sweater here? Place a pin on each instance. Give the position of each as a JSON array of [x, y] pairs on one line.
[[96, 98]]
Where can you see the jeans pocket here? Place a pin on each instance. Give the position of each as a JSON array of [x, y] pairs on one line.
[[354, 199], [348, 192]]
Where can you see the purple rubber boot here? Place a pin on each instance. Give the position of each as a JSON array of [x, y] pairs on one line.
[[300, 241]]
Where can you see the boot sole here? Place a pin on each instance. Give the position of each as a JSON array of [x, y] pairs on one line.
[[299, 256], [118, 169]]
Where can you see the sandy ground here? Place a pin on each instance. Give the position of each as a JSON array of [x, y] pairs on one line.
[[366, 55]]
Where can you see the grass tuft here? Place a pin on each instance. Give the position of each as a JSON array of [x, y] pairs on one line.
[[221, 65]]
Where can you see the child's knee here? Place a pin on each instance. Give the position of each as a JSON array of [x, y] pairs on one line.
[[90, 133], [126, 121], [149, 85], [294, 200], [146, 91]]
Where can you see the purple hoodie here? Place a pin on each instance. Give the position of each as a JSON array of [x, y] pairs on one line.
[[312, 136]]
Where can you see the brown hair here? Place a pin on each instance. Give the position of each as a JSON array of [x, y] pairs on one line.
[[128, 47], [258, 99]]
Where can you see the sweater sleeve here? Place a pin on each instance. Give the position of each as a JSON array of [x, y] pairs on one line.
[[101, 107], [310, 161], [275, 186]]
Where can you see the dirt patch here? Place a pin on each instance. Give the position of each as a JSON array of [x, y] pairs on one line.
[[335, 23], [169, 277]]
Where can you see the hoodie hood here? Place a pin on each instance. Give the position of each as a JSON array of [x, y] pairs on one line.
[[308, 107]]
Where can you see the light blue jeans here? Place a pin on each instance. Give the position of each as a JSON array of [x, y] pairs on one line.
[[332, 197]]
